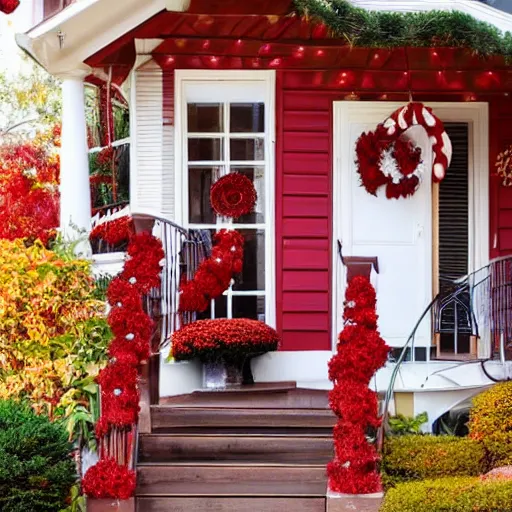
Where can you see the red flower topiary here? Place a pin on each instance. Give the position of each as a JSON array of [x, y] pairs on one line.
[[361, 352], [211, 339], [107, 479], [233, 195]]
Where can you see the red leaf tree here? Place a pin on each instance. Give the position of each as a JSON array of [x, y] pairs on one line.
[[361, 352]]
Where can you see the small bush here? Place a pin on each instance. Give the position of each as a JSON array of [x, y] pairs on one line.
[[459, 494], [491, 411], [419, 457], [36, 469]]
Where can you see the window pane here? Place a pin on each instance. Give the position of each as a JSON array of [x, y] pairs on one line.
[[205, 117], [200, 180], [257, 176], [249, 307], [221, 309], [252, 276], [247, 117], [247, 149], [205, 149]]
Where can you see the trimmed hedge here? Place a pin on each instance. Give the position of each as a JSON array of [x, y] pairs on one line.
[[417, 457], [36, 468], [459, 494]]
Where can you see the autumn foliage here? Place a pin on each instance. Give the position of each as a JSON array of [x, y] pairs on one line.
[[29, 198]]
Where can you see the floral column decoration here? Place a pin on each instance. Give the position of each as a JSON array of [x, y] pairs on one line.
[[132, 327], [361, 352]]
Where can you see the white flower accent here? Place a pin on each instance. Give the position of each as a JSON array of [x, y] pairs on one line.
[[130, 336], [218, 260], [351, 304], [119, 304], [117, 392], [233, 249], [132, 280]]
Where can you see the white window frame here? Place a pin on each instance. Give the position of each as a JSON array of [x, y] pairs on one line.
[[266, 81]]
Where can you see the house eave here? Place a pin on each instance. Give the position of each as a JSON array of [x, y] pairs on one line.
[[62, 43]]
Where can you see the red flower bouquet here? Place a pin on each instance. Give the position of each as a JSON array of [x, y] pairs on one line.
[[213, 339], [233, 195]]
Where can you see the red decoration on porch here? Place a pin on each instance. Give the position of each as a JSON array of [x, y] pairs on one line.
[[233, 195], [108, 479], [385, 159], [9, 6], [236, 336], [214, 274], [114, 232], [132, 328], [361, 352]]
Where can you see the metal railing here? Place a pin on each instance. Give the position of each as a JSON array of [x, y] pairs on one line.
[[478, 304]]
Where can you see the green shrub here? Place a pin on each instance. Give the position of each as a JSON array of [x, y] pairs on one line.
[[417, 457], [459, 494], [36, 469]]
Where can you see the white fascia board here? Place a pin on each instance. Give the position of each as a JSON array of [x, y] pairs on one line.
[[62, 43], [480, 11]]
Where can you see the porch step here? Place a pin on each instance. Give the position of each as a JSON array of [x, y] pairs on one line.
[[232, 447], [213, 503], [165, 418], [231, 480]]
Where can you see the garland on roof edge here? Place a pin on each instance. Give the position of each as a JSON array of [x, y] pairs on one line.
[[379, 29]]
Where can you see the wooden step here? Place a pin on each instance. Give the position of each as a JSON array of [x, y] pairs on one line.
[[231, 480], [168, 448], [210, 504], [260, 397], [165, 417]]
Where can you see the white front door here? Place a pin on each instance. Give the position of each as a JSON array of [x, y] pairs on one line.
[[397, 232]]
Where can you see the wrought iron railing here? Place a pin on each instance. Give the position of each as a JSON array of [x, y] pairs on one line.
[[478, 305]]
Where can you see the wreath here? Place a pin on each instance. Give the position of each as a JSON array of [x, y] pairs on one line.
[[233, 195], [383, 158], [504, 166]]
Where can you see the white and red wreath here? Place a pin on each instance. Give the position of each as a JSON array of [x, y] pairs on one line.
[[385, 159]]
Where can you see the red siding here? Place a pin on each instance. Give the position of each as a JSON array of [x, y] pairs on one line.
[[303, 216], [501, 197]]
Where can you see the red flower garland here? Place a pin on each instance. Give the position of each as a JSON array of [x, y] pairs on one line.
[[107, 479], [114, 232], [206, 338], [132, 329], [214, 274], [9, 6], [233, 195], [361, 352]]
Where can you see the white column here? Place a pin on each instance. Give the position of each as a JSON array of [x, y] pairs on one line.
[[75, 194]]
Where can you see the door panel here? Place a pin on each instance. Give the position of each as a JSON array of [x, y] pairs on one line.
[[398, 232]]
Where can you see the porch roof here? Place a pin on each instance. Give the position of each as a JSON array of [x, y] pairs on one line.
[[270, 34]]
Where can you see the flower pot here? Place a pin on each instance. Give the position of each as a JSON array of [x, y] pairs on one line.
[[222, 373], [337, 502], [110, 505]]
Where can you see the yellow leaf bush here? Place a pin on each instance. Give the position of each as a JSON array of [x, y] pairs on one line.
[[53, 334]]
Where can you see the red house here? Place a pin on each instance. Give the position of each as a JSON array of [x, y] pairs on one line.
[[281, 91]]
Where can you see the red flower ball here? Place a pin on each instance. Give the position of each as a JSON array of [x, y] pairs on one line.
[[107, 479], [233, 195], [9, 6], [114, 232]]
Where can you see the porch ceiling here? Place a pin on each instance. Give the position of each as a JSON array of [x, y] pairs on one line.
[[205, 38]]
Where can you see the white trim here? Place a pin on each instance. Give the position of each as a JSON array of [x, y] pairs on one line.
[[476, 114], [239, 78], [133, 140], [478, 10], [115, 144]]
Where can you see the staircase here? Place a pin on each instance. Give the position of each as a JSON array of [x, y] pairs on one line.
[[261, 448]]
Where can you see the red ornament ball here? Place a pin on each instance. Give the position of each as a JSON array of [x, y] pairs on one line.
[[233, 195], [9, 6]]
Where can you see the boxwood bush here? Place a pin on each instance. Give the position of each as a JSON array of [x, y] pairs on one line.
[[418, 457], [36, 468], [458, 494]]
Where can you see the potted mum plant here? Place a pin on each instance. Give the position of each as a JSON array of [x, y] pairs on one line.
[[223, 346]]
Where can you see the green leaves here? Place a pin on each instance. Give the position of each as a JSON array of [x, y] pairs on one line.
[[401, 425]]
